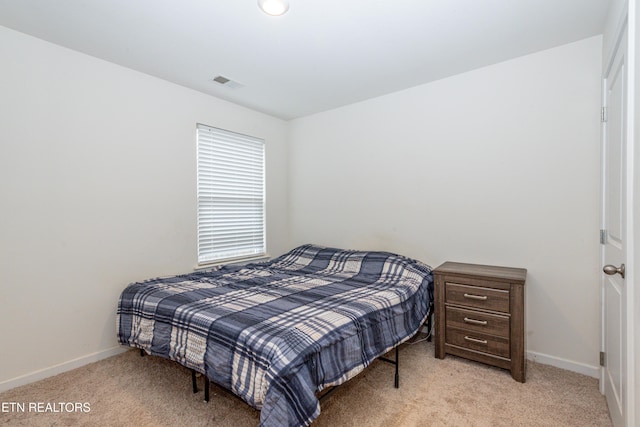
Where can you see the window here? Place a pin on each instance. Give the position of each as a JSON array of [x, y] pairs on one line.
[[230, 195]]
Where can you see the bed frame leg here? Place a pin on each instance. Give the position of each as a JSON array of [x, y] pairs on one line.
[[396, 382], [194, 384], [430, 322], [206, 388], [142, 353]]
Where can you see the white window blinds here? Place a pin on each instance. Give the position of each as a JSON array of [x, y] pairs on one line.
[[230, 195]]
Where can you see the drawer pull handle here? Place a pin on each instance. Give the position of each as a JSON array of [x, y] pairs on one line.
[[475, 322], [478, 297], [475, 340]]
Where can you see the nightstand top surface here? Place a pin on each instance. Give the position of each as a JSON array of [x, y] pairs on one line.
[[478, 270]]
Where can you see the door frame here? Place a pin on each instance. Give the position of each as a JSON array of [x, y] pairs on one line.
[[634, 138]]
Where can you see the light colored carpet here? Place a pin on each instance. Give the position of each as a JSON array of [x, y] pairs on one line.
[[129, 390]]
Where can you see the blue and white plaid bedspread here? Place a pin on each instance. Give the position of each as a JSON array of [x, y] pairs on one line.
[[276, 333]]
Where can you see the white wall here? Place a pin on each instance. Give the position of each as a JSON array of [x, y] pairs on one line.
[[498, 166], [97, 189]]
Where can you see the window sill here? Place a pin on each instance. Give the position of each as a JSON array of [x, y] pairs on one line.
[[241, 260]]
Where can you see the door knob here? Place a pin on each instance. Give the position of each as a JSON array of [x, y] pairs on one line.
[[612, 269]]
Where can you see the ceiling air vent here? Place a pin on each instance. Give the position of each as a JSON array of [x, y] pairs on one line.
[[222, 80]]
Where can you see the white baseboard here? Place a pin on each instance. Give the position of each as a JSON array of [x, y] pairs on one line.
[[62, 367], [545, 359], [569, 365]]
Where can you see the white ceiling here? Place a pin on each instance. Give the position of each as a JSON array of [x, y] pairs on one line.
[[321, 55]]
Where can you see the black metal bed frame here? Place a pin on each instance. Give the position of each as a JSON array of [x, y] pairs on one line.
[[207, 381], [331, 390]]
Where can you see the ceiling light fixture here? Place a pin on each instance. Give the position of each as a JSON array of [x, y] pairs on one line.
[[274, 7]]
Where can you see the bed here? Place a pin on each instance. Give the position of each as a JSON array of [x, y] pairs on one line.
[[279, 332]]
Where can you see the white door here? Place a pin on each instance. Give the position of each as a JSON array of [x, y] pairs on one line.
[[614, 160]]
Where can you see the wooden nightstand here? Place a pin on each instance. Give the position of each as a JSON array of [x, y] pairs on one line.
[[479, 314]]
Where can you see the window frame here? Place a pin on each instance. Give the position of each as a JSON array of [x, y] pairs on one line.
[[210, 140]]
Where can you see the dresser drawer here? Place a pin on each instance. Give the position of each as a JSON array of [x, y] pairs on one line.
[[476, 321], [485, 343], [477, 297]]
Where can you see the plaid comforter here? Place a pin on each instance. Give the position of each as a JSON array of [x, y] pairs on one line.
[[276, 333]]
